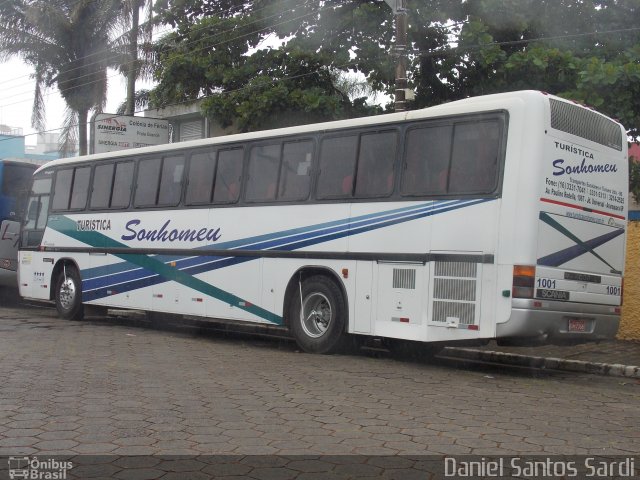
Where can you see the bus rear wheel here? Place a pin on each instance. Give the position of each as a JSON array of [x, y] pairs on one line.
[[68, 294], [317, 316]]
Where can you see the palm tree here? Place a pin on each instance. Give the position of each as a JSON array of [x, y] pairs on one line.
[[68, 44], [130, 65]]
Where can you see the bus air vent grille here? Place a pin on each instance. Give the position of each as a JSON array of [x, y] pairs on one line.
[[585, 123], [455, 291], [456, 269], [404, 278], [466, 312]]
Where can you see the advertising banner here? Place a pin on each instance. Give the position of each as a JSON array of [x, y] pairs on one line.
[[110, 132]]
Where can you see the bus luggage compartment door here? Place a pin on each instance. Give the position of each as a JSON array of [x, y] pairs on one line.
[[401, 300]]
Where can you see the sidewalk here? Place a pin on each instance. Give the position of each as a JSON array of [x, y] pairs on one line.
[[617, 357]]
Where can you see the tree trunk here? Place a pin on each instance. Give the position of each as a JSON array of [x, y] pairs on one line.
[[132, 71], [82, 131]]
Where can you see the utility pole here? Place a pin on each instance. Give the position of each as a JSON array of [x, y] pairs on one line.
[[400, 15]]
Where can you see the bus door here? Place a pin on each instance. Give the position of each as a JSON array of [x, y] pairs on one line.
[[35, 222], [9, 236]]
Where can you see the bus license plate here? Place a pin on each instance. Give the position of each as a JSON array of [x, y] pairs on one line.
[[577, 325]]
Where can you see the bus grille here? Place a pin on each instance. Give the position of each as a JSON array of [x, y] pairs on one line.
[[404, 278], [585, 123], [454, 292], [456, 269], [454, 289], [466, 312]]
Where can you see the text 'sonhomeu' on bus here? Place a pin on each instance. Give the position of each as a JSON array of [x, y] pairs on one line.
[[15, 181], [493, 217]]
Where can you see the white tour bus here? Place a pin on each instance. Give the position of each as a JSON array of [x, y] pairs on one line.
[[501, 216]]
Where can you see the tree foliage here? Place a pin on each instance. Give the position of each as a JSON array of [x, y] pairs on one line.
[[587, 50]]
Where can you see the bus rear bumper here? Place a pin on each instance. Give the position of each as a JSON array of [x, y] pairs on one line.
[[557, 322]]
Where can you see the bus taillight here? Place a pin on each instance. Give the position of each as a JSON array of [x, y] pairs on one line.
[[524, 277]]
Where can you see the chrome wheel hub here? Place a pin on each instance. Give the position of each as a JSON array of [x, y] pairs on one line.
[[315, 315], [67, 294]]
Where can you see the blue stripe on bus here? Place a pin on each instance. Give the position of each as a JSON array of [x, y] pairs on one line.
[[250, 242], [563, 256], [139, 278]]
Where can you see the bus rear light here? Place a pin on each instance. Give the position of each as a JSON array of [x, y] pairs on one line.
[[524, 277], [473, 327], [537, 304], [617, 311]]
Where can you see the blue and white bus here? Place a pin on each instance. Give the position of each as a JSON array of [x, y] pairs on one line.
[[501, 216], [15, 181]]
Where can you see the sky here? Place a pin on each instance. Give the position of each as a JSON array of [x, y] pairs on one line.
[[16, 98]]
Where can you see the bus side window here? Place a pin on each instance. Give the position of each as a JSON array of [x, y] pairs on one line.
[[202, 168], [102, 183], [228, 176], [426, 162], [62, 189], [295, 172], [171, 181], [71, 188], [121, 195], [80, 189], [337, 166], [474, 162], [375, 164], [147, 182], [264, 164]]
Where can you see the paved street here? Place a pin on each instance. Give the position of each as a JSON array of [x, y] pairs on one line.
[[111, 387]]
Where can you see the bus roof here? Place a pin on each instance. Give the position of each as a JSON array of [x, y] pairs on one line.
[[467, 105]]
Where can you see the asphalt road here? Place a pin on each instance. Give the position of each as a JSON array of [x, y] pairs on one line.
[[124, 387]]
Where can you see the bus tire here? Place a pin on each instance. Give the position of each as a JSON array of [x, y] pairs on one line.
[[317, 323], [68, 294]]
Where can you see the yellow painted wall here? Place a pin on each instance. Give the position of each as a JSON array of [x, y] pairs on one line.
[[630, 323]]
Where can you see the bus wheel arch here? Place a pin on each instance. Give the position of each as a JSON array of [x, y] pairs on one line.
[[66, 289], [321, 293]]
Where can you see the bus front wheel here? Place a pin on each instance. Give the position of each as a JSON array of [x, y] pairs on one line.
[[317, 316], [68, 294]]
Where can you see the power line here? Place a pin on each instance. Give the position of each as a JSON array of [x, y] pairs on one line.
[[420, 53], [192, 51], [525, 41], [226, 92], [145, 25]]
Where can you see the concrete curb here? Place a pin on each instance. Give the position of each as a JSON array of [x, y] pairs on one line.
[[614, 369]]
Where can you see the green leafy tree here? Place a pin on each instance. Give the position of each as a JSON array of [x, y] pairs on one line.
[[588, 51], [67, 43], [634, 177], [215, 53]]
